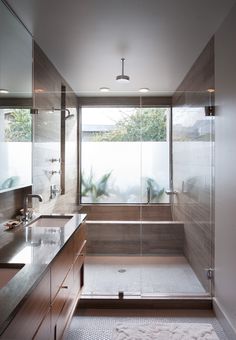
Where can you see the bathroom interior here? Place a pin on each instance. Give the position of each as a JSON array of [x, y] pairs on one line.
[[140, 161]]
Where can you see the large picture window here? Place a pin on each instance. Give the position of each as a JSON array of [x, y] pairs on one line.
[[124, 155]]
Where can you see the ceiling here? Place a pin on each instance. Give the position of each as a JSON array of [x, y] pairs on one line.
[[85, 40]]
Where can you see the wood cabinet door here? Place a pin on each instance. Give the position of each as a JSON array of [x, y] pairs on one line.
[[60, 267], [44, 331], [62, 306], [30, 315]]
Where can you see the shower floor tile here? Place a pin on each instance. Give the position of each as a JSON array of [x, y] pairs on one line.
[[137, 275]]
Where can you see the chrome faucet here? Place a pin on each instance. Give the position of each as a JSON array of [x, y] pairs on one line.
[[26, 203]]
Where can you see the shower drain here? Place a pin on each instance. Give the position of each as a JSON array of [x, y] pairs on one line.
[[122, 270]]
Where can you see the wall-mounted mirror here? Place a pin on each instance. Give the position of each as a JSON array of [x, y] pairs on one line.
[[15, 148], [15, 101]]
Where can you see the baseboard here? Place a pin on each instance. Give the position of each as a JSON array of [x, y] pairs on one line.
[[224, 321]]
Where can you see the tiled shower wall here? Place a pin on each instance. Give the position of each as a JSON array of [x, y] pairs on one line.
[[49, 133], [193, 163]]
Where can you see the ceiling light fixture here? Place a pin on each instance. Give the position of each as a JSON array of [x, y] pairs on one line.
[[104, 89], [4, 91], [211, 90], [122, 77], [144, 90], [39, 90]]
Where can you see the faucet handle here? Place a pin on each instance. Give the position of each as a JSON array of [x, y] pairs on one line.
[[54, 190], [52, 172], [55, 160]]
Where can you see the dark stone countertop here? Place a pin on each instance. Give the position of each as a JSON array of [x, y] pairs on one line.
[[35, 247]]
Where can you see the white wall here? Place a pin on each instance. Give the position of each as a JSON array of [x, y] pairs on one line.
[[225, 175]]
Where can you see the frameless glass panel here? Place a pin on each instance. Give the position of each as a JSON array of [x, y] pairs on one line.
[[193, 147], [125, 168], [110, 165]]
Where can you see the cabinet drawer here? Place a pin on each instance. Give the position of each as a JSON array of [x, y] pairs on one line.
[[63, 318], [29, 317], [79, 237], [62, 302], [60, 267]]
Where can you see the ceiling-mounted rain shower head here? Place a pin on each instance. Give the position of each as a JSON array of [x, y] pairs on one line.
[[123, 77]]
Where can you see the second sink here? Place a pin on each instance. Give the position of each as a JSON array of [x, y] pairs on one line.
[[8, 271]]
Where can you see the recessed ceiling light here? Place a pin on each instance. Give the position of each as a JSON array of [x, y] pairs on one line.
[[210, 90], [4, 91], [122, 78], [104, 89], [39, 90], [144, 90]]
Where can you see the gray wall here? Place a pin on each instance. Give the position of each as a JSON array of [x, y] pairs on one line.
[[225, 172]]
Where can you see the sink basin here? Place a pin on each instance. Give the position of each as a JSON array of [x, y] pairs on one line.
[[8, 271], [50, 221]]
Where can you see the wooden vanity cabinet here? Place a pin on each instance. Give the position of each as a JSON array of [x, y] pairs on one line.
[[61, 306], [67, 297], [28, 319], [47, 311], [61, 266]]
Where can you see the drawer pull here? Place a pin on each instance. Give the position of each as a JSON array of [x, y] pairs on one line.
[[64, 287]]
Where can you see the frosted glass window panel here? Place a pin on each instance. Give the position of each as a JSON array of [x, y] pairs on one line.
[[118, 160], [125, 155], [15, 149], [155, 172]]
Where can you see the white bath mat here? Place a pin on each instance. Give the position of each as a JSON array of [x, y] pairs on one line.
[[164, 331]]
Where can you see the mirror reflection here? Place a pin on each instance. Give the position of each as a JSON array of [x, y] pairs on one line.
[[15, 57], [15, 96], [15, 148]]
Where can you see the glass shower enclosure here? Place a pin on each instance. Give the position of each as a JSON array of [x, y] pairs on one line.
[[138, 241]]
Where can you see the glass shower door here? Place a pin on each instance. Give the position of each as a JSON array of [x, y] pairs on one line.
[[111, 193]]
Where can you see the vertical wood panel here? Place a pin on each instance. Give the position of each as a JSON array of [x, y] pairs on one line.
[[53, 136]]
